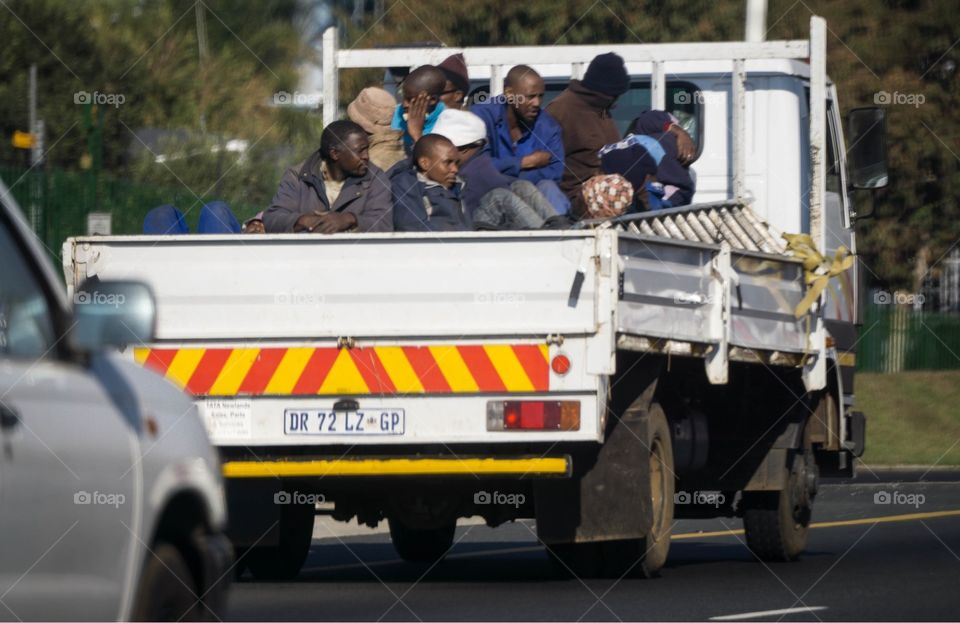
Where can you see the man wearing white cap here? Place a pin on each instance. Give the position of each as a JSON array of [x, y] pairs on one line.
[[494, 200]]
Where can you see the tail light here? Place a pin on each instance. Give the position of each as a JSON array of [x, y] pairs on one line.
[[533, 415]]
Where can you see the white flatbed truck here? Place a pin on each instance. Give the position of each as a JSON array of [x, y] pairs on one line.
[[603, 380]]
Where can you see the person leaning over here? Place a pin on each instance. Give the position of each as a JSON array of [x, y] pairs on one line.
[[334, 190], [493, 200]]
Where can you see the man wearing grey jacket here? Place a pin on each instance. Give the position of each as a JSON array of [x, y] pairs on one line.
[[334, 190]]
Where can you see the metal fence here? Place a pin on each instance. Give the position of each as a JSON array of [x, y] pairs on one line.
[[895, 338], [57, 203]]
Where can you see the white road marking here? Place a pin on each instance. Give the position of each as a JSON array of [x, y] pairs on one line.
[[767, 613]]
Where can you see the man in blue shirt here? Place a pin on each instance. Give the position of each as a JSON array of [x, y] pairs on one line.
[[420, 106], [525, 142]]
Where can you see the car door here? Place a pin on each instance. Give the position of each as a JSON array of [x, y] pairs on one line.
[[67, 471]]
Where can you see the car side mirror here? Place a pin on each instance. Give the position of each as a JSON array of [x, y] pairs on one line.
[[112, 314], [868, 147]]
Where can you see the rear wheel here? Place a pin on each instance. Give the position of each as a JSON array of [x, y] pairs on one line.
[[167, 590], [422, 545], [777, 523], [637, 557], [284, 560]]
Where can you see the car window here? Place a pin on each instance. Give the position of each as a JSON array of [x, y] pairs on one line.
[[26, 322]]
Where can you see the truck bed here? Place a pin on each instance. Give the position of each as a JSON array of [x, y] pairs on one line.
[[252, 325]]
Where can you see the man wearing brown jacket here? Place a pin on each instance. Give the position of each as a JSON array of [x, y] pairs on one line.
[[583, 111], [336, 189]]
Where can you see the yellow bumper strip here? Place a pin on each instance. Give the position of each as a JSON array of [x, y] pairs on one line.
[[552, 466]]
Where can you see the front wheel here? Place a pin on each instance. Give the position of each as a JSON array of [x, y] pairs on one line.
[[167, 589]]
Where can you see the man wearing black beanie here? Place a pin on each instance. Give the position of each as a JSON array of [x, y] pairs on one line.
[[583, 112]]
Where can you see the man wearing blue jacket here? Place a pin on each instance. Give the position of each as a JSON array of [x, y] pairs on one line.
[[524, 141], [427, 192]]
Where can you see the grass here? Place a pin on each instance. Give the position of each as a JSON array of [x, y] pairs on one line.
[[913, 418]]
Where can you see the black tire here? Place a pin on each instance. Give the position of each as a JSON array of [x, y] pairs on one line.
[[656, 545], [634, 557], [167, 590], [284, 560], [777, 523], [428, 545]]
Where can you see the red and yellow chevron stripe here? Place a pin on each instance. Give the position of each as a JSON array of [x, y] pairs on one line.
[[386, 370]]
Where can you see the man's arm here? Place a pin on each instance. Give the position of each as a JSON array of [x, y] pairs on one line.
[[284, 209], [507, 163], [553, 169]]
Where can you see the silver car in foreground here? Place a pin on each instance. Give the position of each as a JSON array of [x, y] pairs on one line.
[[111, 498]]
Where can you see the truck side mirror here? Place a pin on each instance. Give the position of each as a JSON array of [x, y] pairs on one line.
[[868, 147]]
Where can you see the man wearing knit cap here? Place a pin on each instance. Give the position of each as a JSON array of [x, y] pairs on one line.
[[373, 111], [583, 111], [454, 68]]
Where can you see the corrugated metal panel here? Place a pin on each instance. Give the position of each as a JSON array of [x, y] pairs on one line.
[[710, 223]]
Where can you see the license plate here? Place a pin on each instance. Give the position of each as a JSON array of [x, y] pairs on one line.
[[362, 422]]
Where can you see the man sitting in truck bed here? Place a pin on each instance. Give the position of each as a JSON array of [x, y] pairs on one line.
[[583, 111], [524, 141], [427, 192], [676, 185], [493, 200], [336, 189], [421, 106]]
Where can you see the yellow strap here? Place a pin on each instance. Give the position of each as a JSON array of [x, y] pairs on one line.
[[817, 269]]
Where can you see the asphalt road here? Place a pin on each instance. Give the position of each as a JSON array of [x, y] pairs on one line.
[[865, 561]]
